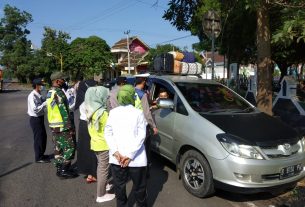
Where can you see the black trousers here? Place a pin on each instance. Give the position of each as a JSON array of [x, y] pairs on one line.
[[40, 136], [147, 143], [120, 178]]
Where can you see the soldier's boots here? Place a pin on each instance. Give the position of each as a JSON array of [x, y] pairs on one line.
[[58, 169], [64, 172]]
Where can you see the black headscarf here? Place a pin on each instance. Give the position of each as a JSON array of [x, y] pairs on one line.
[[80, 93]]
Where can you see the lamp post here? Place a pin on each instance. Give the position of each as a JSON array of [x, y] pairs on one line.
[[60, 58]]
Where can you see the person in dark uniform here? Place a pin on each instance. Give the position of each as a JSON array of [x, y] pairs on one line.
[[86, 159], [36, 106]]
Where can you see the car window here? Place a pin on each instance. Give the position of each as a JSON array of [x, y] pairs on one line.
[[212, 98], [180, 108], [159, 85]]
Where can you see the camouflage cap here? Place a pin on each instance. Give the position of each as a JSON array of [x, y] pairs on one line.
[[58, 75]]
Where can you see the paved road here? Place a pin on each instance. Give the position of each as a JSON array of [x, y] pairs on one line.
[[26, 183]]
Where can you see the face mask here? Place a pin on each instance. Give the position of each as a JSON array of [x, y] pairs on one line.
[[42, 88], [65, 86]]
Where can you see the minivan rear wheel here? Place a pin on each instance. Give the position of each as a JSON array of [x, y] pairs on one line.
[[196, 174]]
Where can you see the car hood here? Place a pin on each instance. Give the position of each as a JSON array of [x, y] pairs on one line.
[[258, 129]]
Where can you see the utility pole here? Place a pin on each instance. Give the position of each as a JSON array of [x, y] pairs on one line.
[[128, 51]]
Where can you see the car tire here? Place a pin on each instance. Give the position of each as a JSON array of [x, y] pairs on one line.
[[196, 174]]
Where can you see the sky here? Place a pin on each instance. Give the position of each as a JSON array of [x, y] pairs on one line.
[[108, 19]]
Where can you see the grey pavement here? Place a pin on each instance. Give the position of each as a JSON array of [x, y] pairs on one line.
[[26, 183]]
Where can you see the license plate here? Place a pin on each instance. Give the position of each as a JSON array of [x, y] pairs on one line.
[[290, 171]]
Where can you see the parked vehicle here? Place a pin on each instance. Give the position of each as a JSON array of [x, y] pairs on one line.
[[217, 139]]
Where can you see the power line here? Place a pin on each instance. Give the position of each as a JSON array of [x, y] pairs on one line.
[[110, 14], [152, 5], [97, 16], [179, 38]]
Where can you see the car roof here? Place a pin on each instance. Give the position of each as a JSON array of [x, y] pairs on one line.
[[182, 78]]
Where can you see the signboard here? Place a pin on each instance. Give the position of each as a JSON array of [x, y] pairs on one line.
[[131, 68], [211, 24]]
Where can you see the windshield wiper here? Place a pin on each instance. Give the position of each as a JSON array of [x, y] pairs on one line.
[[219, 111], [249, 109], [231, 110]]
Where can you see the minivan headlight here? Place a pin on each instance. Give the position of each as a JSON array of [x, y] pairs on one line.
[[237, 147], [302, 143]]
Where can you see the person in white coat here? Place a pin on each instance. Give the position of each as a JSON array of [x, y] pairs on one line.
[[125, 133]]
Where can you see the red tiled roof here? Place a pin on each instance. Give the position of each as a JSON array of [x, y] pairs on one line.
[[122, 44]]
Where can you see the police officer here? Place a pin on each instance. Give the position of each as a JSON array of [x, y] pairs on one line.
[[112, 101], [36, 106], [141, 103], [61, 126]]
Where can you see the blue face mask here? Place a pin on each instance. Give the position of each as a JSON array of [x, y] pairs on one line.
[[42, 88]]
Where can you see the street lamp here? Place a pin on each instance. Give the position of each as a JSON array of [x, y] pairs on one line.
[[49, 54]]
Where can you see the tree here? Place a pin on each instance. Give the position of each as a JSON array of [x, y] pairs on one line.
[[288, 39], [237, 39], [14, 46], [89, 56], [242, 46], [55, 47]]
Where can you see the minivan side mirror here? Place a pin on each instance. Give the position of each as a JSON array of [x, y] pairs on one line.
[[165, 103]]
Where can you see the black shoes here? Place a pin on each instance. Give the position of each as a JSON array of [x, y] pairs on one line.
[[64, 171], [43, 161]]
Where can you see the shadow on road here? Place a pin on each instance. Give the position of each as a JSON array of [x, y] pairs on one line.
[[8, 91], [237, 197], [16, 169], [158, 177]]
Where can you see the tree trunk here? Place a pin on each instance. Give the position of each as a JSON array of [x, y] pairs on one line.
[[264, 74]]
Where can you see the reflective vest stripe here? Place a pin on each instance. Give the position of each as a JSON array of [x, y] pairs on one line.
[[54, 116], [138, 103], [56, 124]]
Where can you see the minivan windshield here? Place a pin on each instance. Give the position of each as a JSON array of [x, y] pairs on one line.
[[213, 98]]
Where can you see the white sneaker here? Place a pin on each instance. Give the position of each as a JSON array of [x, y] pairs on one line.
[[104, 198], [109, 187]]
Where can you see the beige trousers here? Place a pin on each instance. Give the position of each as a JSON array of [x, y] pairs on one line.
[[102, 172]]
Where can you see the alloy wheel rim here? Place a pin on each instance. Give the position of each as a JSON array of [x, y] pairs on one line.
[[194, 173]]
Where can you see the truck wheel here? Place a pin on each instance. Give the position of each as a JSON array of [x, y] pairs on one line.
[[196, 174]]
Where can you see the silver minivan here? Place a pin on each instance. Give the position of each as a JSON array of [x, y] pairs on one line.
[[217, 139]]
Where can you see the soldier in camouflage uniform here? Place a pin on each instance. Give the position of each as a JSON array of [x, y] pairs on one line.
[[61, 126]]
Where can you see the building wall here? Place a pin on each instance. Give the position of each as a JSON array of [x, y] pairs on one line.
[[137, 46]]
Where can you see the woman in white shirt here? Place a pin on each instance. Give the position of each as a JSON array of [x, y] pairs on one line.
[[125, 133]]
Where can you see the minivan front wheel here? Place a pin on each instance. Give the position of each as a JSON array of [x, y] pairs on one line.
[[197, 175]]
